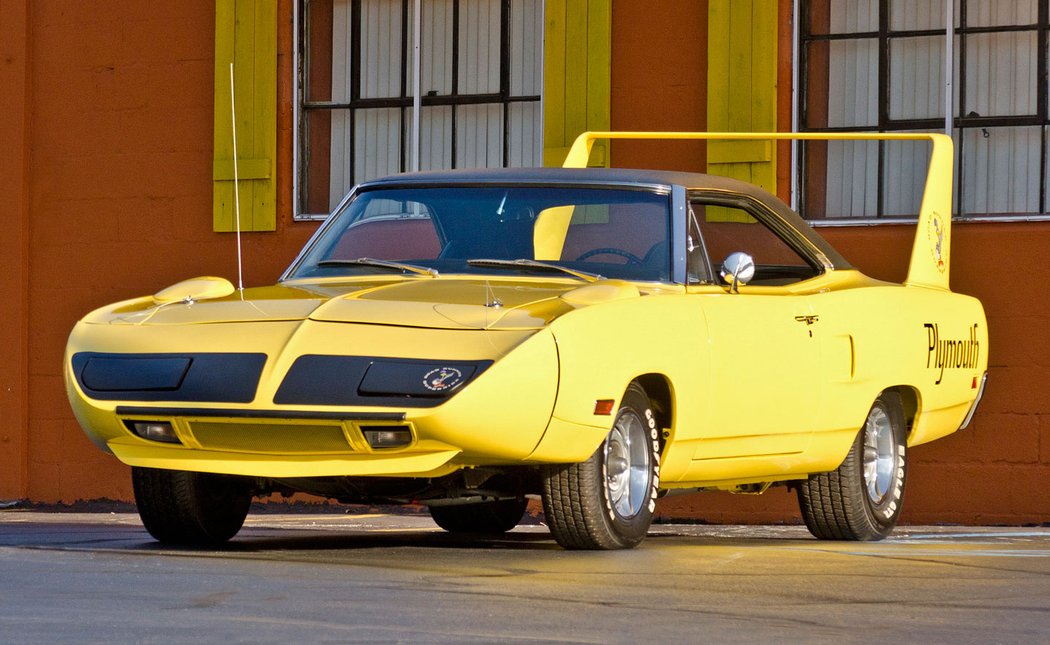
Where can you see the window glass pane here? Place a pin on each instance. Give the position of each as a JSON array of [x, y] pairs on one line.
[[479, 46], [376, 143], [389, 230], [916, 77], [852, 178], [1046, 168], [841, 179], [435, 137], [1001, 73], [328, 25], [913, 15], [842, 84], [341, 178], [856, 16], [526, 47], [905, 164], [1001, 13], [435, 54], [479, 136], [524, 139], [380, 48], [612, 232], [728, 229], [1000, 170], [316, 142]]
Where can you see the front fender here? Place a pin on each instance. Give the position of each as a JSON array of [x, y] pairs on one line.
[[603, 348]]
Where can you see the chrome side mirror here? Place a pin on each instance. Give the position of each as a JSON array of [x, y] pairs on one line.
[[737, 269]]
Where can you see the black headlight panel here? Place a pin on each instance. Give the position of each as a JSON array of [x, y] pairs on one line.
[[199, 377], [365, 380], [412, 378]]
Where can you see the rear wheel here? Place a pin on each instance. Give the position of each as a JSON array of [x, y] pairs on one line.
[[192, 509], [485, 517], [607, 502], [862, 498]]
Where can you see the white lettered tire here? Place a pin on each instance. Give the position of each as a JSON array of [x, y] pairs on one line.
[[862, 498], [607, 502]]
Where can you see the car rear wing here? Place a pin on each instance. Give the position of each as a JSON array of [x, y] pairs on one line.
[[931, 250]]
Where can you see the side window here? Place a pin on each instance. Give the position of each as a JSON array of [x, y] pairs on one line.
[[727, 229]]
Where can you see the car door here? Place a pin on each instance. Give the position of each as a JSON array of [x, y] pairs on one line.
[[764, 357]]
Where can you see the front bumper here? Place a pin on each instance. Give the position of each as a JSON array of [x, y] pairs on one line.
[[496, 419]]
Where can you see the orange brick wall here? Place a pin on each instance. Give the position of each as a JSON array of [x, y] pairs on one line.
[[118, 197], [14, 269], [105, 165]]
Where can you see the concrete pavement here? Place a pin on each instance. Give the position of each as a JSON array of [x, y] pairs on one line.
[[93, 577]]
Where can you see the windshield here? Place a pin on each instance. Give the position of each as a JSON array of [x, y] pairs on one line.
[[601, 232]]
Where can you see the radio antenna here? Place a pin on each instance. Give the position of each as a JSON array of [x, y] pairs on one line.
[[236, 186]]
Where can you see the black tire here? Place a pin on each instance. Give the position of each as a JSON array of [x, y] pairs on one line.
[[862, 498], [484, 517], [607, 502], [190, 509]]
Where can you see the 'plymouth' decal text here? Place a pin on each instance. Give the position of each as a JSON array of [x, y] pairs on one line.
[[950, 353]]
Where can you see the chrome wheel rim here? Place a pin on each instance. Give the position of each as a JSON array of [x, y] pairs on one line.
[[880, 455], [627, 470]]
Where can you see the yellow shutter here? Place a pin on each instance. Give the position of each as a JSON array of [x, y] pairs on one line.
[[577, 59], [246, 35], [742, 88]]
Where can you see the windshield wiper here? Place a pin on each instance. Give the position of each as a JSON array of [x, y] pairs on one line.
[[385, 264], [536, 264]]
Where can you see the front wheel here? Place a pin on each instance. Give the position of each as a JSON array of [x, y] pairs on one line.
[[188, 508], [862, 498], [607, 502]]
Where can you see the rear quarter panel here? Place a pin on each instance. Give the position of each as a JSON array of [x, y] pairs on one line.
[[930, 341]]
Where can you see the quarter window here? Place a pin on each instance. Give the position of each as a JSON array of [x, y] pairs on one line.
[[726, 229]]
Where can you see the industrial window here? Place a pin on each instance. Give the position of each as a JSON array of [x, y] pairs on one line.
[[480, 66], [880, 65]]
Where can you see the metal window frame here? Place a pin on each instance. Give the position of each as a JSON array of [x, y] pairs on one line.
[[302, 107], [883, 36]]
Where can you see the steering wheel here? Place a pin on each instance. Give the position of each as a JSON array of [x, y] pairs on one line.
[[631, 257]]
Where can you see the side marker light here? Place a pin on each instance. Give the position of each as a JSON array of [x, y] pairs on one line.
[[603, 407]]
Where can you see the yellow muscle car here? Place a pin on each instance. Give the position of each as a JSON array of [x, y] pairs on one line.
[[596, 337]]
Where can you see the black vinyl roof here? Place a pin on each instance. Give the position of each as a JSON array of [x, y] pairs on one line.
[[573, 175]]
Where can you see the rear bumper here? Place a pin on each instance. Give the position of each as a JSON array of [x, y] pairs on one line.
[[976, 402]]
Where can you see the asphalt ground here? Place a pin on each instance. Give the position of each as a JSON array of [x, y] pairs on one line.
[[373, 577]]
